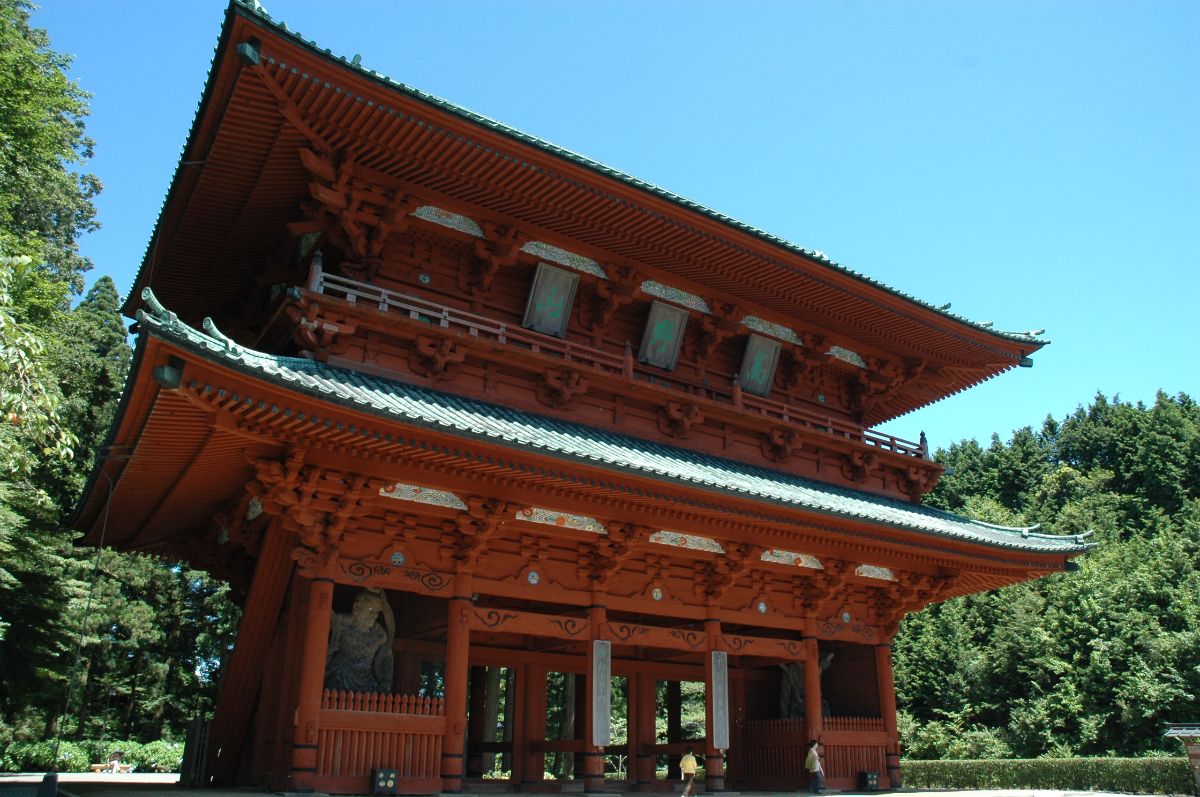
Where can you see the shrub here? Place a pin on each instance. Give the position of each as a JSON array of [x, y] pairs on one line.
[[1136, 775], [159, 756], [39, 757]]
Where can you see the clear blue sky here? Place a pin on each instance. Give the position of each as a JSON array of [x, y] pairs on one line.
[[1037, 163]]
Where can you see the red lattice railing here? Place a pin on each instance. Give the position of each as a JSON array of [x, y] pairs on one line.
[[863, 724], [362, 731], [382, 702], [481, 327]]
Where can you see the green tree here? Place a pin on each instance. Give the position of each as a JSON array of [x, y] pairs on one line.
[[1090, 662], [45, 203]]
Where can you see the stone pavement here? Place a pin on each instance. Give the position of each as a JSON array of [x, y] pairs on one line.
[[154, 785]]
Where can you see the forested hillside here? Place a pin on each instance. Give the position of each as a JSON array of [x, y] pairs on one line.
[[1084, 663], [154, 632]]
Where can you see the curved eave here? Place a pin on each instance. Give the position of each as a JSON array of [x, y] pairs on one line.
[[489, 425], [878, 308]]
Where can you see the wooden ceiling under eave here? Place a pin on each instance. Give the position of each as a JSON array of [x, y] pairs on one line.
[[219, 228]]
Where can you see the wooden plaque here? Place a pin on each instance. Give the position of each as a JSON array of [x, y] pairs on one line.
[[758, 365], [663, 335], [601, 692], [720, 699], [550, 300]]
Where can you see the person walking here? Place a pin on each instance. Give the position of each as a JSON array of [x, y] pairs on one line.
[[816, 772], [687, 769]]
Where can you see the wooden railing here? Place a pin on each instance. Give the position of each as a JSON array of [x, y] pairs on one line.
[[864, 724], [624, 366], [361, 731]]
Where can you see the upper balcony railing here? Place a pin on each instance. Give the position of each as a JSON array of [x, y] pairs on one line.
[[623, 366]]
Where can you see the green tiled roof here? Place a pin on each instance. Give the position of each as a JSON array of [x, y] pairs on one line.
[[254, 9], [472, 419]]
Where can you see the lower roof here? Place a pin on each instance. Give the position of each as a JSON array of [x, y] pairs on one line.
[[472, 419]]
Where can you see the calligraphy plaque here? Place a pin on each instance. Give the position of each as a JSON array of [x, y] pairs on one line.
[[720, 699], [550, 300], [663, 335], [601, 692], [758, 365]]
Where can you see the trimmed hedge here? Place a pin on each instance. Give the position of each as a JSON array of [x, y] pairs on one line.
[[1135, 775], [159, 756]]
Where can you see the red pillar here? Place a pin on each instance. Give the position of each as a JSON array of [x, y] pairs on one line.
[[311, 684], [533, 765], [813, 719], [714, 762], [244, 673], [645, 706], [458, 639], [887, 708]]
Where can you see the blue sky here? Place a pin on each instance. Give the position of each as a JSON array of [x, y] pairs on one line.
[[1037, 164]]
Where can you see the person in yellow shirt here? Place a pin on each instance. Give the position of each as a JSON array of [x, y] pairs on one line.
[[815, 770], [687, 769]]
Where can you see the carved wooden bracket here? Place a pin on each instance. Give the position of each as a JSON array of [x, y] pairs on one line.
[[436, 357], [801, 362], [824, 584], [917, 480], [676, 419], [364, 214], [499, 247], [466, 537], [725, 321], [880, 379], [559, 386], [316, 331], [604, 558], [618, 290], [714, 579], [858, 465], [779, 444]]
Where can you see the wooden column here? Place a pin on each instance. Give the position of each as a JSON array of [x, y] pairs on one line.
[[645, 706], [674, 726], [289, 685], [533, 713], [593, 752], [475, 720], [312, 682], [244, 673], [813, 719], [716, 707], [514, 722], [458, 640], [887, 708]]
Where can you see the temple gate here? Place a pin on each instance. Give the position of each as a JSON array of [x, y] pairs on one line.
[[460, 414]]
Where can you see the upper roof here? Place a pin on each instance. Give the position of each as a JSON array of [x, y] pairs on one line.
[[478, 420], [240, 175]]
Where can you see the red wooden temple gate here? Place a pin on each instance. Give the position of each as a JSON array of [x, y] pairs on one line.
[[436, 396]]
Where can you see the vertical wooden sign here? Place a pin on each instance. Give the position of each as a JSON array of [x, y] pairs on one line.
[[663, 335], [602, 692], [720, 699], [758, 365], [550, 300]]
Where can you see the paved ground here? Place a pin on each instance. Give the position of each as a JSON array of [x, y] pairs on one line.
[[140, 785]]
